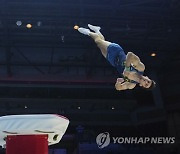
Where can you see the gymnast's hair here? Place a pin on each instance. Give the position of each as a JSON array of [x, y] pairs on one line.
[[153, 85]]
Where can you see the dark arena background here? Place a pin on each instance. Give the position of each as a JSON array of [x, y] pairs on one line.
[[47, 66]]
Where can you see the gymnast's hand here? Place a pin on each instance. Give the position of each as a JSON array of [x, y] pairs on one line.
[[118, 84], [121, 84], [119, 80]]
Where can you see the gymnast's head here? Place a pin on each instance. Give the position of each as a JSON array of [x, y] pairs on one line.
[[147, 83]]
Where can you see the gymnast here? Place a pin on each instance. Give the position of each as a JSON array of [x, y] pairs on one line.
[[129, 66]]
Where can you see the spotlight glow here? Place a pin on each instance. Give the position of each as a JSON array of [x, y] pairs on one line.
[[153, 54], [19, 23], [29, 26], [39, 23], [76, 27]]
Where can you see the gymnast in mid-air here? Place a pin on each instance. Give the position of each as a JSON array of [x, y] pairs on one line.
[[129, 66]]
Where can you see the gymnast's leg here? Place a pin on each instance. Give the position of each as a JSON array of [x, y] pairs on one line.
[[97, 37]]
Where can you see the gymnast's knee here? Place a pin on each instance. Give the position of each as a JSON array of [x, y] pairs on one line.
[[98, 40]]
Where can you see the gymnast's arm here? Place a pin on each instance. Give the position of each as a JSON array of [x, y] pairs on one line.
[[131, 58], [124, 85]]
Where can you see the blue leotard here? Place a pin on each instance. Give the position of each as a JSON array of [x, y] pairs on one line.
[[117, 58]]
